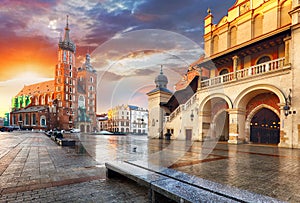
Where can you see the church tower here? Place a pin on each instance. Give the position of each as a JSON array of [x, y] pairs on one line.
[[157, 97], [87, 97], [65, 82]]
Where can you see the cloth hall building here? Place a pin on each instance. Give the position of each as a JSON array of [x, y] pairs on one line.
[[68, 101], [246, 88]]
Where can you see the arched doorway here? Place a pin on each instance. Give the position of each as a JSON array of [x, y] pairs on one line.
[[265, 127]]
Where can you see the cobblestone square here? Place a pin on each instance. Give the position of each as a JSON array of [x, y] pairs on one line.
[[34, 169]]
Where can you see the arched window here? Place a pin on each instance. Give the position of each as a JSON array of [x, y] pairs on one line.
[[233, 36], [223, 72], [263, 59], [43, 121], [284, 13], [258, 26], [215, 44]]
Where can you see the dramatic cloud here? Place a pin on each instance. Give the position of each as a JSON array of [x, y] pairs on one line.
[[30, 31]]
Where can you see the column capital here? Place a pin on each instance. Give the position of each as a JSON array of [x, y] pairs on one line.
[[235, 57], [237, 111]]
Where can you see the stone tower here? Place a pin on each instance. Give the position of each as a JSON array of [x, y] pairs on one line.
[[65, 82], [156, 97], [87, 97]]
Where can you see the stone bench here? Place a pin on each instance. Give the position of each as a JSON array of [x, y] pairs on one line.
[[167, 184]]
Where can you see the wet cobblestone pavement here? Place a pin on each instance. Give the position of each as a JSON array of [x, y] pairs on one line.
[[34, 169]]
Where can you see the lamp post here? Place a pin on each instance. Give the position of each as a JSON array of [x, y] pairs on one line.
[[192, 116], [288, 103]]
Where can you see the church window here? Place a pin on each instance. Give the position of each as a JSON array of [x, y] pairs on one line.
[[43, 121], [65, 56], [258, 25], [33, 119], [26, 119], [81, 101]]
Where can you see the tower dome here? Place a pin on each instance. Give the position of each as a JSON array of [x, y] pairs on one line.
[[161, 80]]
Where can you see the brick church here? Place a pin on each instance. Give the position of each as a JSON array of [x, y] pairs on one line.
[[68, 101]]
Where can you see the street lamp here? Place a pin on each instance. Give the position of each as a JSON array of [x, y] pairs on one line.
[[288, 103], [192, 116]]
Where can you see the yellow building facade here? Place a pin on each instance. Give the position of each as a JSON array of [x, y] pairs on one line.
[[246, 88]]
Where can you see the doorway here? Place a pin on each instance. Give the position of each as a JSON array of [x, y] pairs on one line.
[[188, 134], [265, 127]]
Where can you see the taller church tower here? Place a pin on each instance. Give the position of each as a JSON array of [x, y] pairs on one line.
[[65, 81]]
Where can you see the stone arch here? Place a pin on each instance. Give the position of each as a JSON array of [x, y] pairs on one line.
[[244, 97], [216, 95], [263, 59]]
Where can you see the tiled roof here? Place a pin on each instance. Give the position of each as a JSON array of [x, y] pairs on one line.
[[37, 88], [31, 109]]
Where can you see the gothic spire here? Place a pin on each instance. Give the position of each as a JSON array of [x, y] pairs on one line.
[[67, 43]]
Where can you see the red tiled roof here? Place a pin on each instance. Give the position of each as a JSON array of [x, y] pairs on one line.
[[37, 88]]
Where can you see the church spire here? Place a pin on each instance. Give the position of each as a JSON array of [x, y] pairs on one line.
[[66, 43]]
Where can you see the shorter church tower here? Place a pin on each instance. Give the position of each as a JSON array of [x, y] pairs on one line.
[[87, 97], [157, 97]]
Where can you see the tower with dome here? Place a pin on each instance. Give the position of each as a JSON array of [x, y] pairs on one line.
[[156, 98]]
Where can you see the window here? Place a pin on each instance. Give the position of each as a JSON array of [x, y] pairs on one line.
[[70, 73], [67, 96], [284, 13], [258, 26], [43, 121], [223, 72], [67, 80], [263, 60], [92, 79], [33, 119], [215, 44], [233, 36], [70, 97], [26, 119]]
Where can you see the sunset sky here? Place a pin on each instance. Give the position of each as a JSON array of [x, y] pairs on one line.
[[128, 41]]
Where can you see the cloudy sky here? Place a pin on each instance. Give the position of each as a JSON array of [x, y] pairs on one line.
[[128, 41]]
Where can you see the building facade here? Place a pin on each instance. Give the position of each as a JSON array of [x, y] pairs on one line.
[[245, 88], [59, 103], [128, 119]]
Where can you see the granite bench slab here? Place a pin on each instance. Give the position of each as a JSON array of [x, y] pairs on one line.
[[163, 188]]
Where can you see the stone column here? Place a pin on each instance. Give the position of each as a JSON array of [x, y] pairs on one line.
[[235, 65], [236, 126]]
